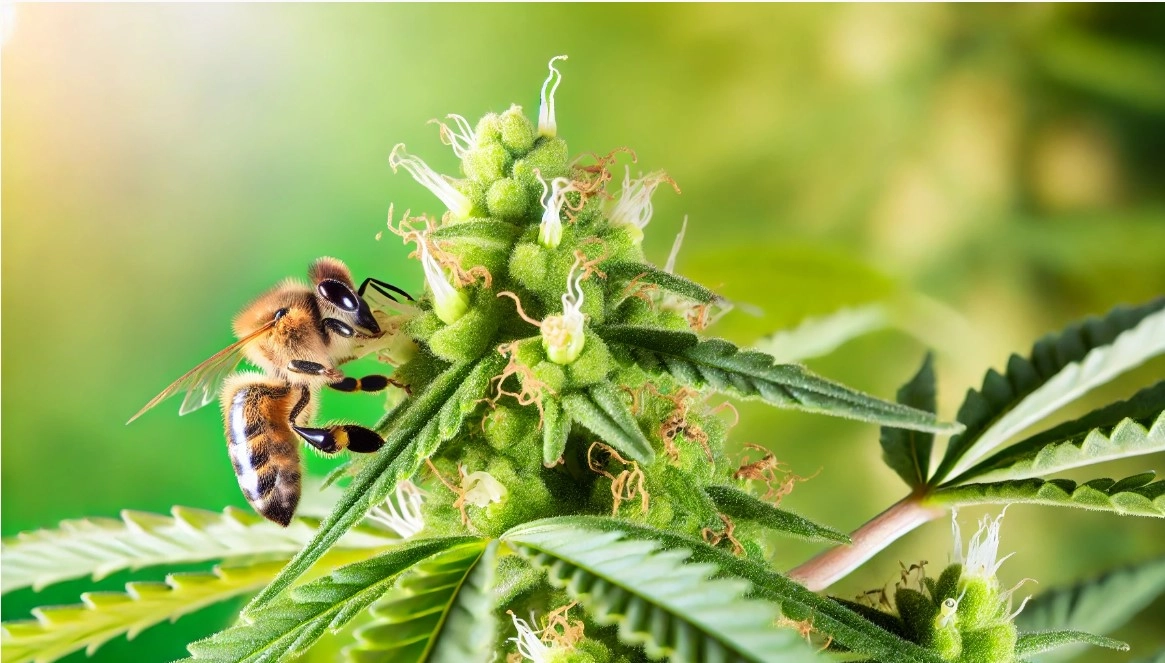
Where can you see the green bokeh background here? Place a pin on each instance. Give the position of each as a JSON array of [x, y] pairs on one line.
[[164, 164]]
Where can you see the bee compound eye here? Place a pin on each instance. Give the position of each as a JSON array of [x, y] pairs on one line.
[[339, 294]]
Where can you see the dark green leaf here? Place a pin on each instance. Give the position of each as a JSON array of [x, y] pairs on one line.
[[907, 452], [742, 506], [1059, 368], [1030, 644], [722, 366], [1126, 497], [555, 430], [602, 411], [619, 273], [396, 461], [442, 611]]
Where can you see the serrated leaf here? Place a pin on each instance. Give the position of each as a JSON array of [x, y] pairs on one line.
[[1060, 368], [98, 547], [821, 335], [468, 396], [1030, 644], [1128, 428], [555, 431], [397, 460], [722, 366], [59, 630], [287, 626], [1133, 496], [829, 618], [908, 452], [488, 234], [1096, 605], [740, 505], [657, 599], [619, 273], [602, 411], [441, 611]]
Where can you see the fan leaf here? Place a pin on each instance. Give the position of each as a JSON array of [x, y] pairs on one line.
[[619, 273], [819, 336], [844, 626], [1129, 428], [1132, 496], [1060, 368], [722, 366], [442, 610], [1030, 644], [410, 430], [742, 506], [602, 411], [907, 452], [670, 607], [98, 547], [287, 626]]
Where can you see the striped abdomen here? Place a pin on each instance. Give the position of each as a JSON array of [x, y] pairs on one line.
[[263, 448]]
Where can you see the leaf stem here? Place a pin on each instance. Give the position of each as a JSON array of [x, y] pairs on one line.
[[885, 528]]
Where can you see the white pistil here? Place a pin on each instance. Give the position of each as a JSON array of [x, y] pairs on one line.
[[461, 138], [530, 646], [448, 303], [670, 265], [482, 489], [404, 517], [634, 208], [562, 335], [982, 558], [553, 198], [431, 180], [546, 124]]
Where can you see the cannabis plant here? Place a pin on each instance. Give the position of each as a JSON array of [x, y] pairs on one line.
[[556, 485]]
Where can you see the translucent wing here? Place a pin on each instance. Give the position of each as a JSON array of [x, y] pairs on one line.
[[202, 382]]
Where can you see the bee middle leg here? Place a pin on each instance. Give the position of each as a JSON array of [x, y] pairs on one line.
[[369, 383]]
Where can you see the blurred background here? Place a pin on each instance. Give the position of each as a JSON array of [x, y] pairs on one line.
[[989, 173]]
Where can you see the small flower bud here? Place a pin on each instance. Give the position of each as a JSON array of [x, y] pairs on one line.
[[546, 123], [448, 303], [428, 178], [553, 198], [562, 335], [518, 132], [506, 199], [481, 489]]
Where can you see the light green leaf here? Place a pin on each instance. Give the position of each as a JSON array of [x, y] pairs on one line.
[[601, 410], [1060, 368], [742, 506], [555, 431], [908, 452], [1030, 644], [720, 365], [1096, 605], [288, 626], [98, 547], [1120, 69], [468, 396], [1124, 429], [819, 336], [441, 611], [658, 600], [1132, 496], [621, 273], [488, 234], [377, 478], [60, 630]]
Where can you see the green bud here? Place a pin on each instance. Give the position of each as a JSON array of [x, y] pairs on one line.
[[528, 265], [507, 199], [486, 164], [917, 612], [469, 337], [517, 132], [995, 644], [591, 365], [551, 374], [488, 129]]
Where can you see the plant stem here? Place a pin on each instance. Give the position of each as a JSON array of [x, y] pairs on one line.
[[885, 528]]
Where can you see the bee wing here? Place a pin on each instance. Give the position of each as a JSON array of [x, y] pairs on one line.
[[202, 382]]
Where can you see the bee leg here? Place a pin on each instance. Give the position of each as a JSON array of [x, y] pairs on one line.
[[339, 437], [309, 368], [366, 383], [381, 287]]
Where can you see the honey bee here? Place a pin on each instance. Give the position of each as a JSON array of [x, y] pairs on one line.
[[297, 336]]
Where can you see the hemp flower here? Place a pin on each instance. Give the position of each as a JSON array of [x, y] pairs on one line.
[[546, 124], [633, 209], [404, 517], [482, 489], [448, 303], [530, 646], [562, 334], [553, 198], [431, 180]]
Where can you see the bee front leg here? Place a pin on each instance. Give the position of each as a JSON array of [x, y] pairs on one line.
[[306, 367]]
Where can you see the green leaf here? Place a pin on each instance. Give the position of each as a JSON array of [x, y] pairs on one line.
[[819, 336], [60, 630], [1061, 368], [1038, 643], [377, 478], [468, 396], [1132, 496], [1096, 605], [908, 452], [603, 412], [98, 547], [670, 607], [1128, 428], [742, 506], [830, 618], [555, 430], [624, 272], [488, 234], [442, 610], [1159, 657], [1119, 69], [287, 626], [720, 365]]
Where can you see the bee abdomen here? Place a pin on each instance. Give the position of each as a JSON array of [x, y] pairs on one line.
[[263, 449]]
